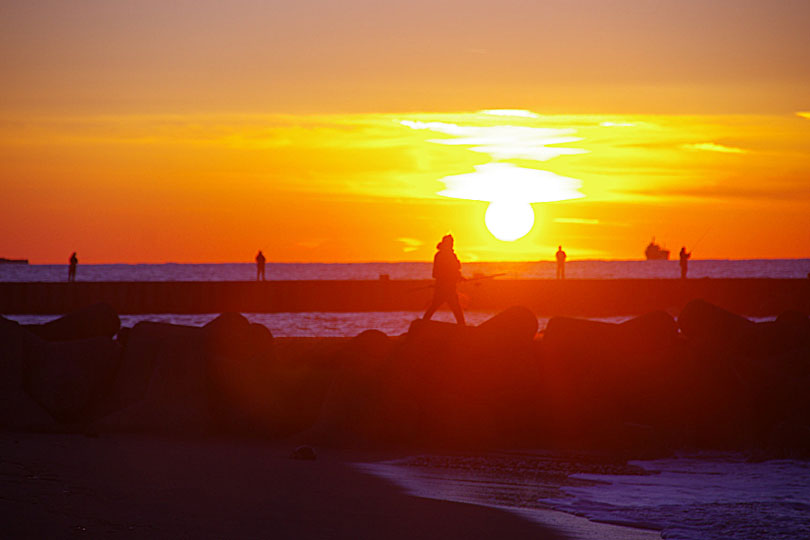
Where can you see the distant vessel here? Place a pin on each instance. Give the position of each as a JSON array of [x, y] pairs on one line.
[[13, 261], [654, 252]]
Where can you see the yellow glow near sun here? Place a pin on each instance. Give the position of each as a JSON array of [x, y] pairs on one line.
[[510, 189], [519, 113]]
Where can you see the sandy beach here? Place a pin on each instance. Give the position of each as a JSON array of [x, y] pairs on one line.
[[77, 486]]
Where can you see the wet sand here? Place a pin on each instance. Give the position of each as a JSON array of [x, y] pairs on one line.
[[66, 486], [487, 479], [77, 486]]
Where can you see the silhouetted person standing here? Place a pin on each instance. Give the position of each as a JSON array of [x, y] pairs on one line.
[[72, 268], [260, 260], [446, 272], [560, 263], [683, 255]]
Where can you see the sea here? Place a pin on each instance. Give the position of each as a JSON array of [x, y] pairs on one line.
[[687, 497], [698, 496], [588, 269], [329, 324]]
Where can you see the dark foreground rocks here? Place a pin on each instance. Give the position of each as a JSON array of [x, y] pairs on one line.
[[711, 379], [66, 378], [18, 410], [97, 320]]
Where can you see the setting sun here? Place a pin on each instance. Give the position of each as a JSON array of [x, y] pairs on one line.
[[509, 220]]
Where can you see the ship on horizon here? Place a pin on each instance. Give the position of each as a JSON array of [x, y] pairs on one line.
[[3, 260], [654, 252]]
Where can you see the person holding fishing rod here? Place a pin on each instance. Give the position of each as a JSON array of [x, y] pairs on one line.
[[446, 272], [560, 256], [683, 256]]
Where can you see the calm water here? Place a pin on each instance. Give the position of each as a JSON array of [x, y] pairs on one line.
[[392, 323], [692, 497], [314, 324], [702, 498], [766, 268]]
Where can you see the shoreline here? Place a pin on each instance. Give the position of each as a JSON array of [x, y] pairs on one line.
[[572, 526], [135, 486]]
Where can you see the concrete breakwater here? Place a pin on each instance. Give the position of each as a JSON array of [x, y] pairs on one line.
[[580, 297], [708, 379]]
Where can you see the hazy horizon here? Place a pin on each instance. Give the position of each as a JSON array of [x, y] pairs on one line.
[[550, 260]]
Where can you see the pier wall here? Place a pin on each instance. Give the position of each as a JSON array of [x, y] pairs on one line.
[[575, 297]]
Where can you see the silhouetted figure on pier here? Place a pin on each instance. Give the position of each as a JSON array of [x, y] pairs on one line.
[[560, 262], [72, 268], [683, 255], [446, 272], [260, 260]]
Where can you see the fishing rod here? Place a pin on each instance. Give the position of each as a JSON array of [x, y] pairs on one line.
[[477, 278], [701, 238], [490, 276]]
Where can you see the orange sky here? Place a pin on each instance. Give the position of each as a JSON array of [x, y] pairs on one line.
[[139, 132]]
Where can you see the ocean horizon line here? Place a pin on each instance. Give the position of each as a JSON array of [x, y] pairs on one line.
[[424, 261]]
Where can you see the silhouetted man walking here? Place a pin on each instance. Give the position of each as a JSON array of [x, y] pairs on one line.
[[560, 262], [260, 260], [684, 261], [447, 272], [72, 268]]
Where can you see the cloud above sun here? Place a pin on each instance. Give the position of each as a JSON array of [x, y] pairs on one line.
[[504, 141], [510, 189], [713, 147], [507, 182]]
